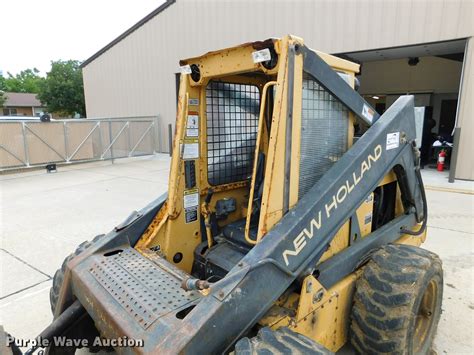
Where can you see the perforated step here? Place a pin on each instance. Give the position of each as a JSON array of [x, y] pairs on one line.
[[145, 291]]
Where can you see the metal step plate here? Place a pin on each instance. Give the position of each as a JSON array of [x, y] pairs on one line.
[[145, 291]]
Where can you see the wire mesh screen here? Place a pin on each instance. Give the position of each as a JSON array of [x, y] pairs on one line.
[[232, 122], [324, 129]]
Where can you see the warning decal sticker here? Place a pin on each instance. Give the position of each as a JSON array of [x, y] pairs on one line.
[[368, 218], [185, 69], [190, 149], [261, 56], [191, 198], [193, 102], [192, 126], [190, 204], [393, 140], [190, 215], [368, 113]]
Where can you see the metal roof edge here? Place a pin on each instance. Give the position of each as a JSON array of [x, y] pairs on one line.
[[132, 29]]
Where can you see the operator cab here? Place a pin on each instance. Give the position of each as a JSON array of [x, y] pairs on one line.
[[241, 166], [235, 169], [238, 116]]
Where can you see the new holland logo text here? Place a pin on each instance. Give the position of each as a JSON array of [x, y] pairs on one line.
[[337, 199]]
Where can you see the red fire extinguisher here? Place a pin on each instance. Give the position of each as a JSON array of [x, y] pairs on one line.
[[441, 159]]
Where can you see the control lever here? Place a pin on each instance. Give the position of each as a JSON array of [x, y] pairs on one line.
[[206, 212]]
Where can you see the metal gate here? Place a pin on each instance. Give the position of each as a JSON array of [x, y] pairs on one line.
[[26, 144]]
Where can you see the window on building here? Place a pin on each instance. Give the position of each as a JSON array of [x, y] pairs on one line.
[[10, 112]]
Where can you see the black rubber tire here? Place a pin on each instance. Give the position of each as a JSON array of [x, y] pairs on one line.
[[281, 341], [59, 274], [387, 299]]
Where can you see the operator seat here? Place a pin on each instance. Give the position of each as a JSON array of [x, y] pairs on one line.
[[235, 232]]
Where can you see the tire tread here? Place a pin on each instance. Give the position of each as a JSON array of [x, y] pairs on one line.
[[385, 295]]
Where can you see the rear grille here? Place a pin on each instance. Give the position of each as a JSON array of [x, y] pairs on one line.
[[324, 127]]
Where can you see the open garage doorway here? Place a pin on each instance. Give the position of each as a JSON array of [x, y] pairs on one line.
[[432, 73]]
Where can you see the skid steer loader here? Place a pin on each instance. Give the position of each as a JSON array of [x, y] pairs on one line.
[[284, 230]]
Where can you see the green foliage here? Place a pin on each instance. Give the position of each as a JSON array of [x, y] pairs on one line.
[[2, 91], [2, 84], [63, 91], [27, 80], [3, 98]]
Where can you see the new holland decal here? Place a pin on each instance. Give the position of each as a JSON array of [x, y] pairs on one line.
[[299, 242]]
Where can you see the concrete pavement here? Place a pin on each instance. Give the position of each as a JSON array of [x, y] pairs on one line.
[[43, 217]]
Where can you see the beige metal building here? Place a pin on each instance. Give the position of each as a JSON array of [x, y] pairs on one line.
[[406, 46]]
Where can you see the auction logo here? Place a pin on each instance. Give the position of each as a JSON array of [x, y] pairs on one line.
[[62, 341]]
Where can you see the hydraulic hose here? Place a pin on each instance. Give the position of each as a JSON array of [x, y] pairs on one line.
[[425, 207], [60, 324]]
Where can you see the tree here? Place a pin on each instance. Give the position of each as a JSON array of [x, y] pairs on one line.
[[3, 86], [3, 98], [63, 90], [27, 80]]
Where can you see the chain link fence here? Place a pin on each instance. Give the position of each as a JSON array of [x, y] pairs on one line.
[[29, 143]]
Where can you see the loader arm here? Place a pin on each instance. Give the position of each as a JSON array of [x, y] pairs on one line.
[[296, 243], [315, 66]]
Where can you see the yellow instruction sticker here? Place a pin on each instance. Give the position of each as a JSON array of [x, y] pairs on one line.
[[191, 198]]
